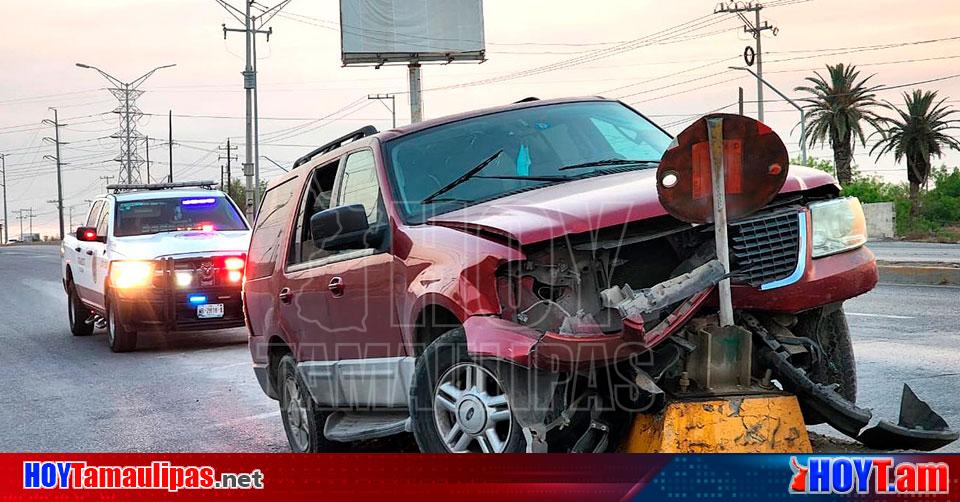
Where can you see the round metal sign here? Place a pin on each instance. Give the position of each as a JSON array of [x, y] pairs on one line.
[[755, 165]]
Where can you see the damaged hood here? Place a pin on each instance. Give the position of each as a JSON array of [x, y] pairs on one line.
[[584, 205]]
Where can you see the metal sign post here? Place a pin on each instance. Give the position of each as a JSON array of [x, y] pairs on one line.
[[717, 171]]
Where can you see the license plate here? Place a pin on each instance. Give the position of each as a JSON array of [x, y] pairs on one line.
[[210, 311]]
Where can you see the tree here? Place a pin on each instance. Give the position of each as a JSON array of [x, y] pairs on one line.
[[835, 111], [918, 133], [237, 190]]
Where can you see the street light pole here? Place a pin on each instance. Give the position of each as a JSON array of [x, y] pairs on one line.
[[6, 224], [803, 115]]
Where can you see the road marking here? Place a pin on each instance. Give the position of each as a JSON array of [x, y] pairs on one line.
[[885, 316], [241, 420]]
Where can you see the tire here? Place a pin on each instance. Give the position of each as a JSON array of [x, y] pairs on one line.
[[302, 422], [119, 338], [77, 313], [476, 416], [828, 327]]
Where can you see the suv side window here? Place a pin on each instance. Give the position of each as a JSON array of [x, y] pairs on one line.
[[269, 228], [94, 216], [358, 184], [104, 224], [319, 192]]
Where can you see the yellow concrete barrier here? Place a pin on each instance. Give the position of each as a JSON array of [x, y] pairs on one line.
[[746, 424]]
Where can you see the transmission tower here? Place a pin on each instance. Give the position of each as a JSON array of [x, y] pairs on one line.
[[127, 94]]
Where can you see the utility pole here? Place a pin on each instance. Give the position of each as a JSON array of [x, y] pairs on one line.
[[416, 93], [56, 141], [740, 99], [755, 28], [170, 143], [393, 104], [127, 94], [20, 217], [146, 149], [30, 216], [6, 224], [228, 157], [107, 179], [252, 26]]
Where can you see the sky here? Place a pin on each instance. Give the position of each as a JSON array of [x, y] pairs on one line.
[[675, 70]]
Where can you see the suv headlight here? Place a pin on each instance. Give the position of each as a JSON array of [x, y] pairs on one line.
[[131, 274], [838, 225]]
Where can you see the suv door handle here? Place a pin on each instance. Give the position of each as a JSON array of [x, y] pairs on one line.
[[336, 286], [286, 296]]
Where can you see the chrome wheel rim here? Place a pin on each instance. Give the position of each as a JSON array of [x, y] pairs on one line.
[[296, 411], [471, 410]]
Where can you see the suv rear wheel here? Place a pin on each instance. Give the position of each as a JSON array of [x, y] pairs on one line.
[[77, 313], [119, 338], [302, 422], [459, 405]]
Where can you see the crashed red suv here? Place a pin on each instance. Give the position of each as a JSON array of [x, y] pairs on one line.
[[459, 278]]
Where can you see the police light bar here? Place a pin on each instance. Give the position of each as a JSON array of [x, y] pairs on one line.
[[208, 184]]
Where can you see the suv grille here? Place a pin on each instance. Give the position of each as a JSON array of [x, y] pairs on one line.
[[765, 248]]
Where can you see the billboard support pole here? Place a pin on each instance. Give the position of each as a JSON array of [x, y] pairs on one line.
[[416, 93]]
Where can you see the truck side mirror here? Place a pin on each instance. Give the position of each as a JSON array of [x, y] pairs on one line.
[[340, 228], [87, 234]]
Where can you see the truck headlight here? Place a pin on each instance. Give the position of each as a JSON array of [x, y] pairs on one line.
[[131, 274], [838, 225]]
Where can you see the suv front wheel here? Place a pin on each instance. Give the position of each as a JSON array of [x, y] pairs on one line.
[[459, 405], [119, 338]]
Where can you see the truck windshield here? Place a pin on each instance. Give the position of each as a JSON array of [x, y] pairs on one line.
[[151, 216], [479, 159]]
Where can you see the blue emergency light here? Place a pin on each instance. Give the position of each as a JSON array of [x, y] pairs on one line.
[[197, 299], [207, 201]]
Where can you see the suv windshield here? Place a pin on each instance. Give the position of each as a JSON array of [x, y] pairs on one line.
[[151, 216], [470, 161]]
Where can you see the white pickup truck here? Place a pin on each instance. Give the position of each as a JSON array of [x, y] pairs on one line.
[[164, 257]]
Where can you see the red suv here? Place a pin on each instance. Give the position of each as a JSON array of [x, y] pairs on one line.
[[463, 278]]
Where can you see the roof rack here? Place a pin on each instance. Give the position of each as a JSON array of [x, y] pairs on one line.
[[363, 132], [116, 188]]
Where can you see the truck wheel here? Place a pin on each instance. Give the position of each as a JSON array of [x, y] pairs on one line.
[[828, 326], [118, 338], [302, 422], [459, 405], [77, 313]]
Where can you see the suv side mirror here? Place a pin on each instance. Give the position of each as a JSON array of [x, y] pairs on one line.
[[88, 234], [340, 228]]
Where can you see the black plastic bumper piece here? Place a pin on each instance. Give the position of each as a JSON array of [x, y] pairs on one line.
[[919, 427]]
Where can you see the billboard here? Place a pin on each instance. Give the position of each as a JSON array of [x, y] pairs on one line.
[[402, 31]]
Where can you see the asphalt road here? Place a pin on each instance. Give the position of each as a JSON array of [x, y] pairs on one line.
[[196, 391]]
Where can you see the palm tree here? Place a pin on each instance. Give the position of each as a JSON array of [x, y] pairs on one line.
[[918, 134], [835, 110]]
